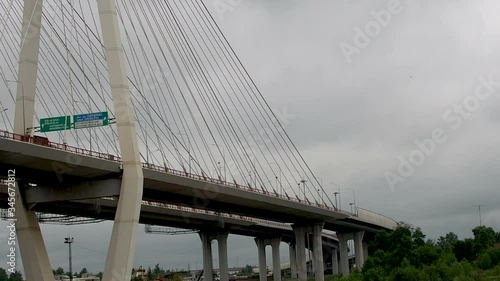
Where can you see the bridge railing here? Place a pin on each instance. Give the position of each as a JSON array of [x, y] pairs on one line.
[[36, 140]]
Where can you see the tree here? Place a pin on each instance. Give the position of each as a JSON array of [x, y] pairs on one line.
[[150, 274], [484, 237], [247, 269], [59, 271], [463, 250], [16, 276], [418, 237], [83, 271], [3, 275], [448, 241]]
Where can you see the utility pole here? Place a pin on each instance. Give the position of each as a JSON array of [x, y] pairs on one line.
[[480, 221], [68, 241]]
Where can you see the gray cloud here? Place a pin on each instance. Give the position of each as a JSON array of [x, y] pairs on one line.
[[354, 119]]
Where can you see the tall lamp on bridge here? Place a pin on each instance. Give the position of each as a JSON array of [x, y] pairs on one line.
[[68, 241]]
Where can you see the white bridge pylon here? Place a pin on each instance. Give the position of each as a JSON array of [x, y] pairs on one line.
[[122, 247]]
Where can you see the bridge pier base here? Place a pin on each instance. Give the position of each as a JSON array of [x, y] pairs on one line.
[[293, 261], [206, 246], [261, 248], [319, 272], [223, 259], [335, 261], [358, 247], [32, 247], [344, 258], [275, 244], [300, 243]]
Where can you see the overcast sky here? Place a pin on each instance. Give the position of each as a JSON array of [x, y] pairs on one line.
[[360, 109]]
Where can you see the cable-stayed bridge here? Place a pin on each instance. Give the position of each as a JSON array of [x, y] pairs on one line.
[[148, 101]]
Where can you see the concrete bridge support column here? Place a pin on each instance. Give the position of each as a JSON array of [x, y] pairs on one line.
[[261, 247], [206, 246], [319, 272], [358, 247], [344, 258], [122, 247], [365, 250], [293, 261], [223, 260], [31, 245], [301, 251], [275, 244], [335, 261]]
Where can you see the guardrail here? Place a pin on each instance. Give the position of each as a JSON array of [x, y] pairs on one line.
[[105, 156]]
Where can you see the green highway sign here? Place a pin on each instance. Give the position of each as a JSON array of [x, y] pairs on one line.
[[89, 120], [55, 124]]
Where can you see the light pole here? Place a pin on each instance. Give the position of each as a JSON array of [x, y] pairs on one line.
[[68, 241], [223, 158], [189, 149], [353, 195], [304, 187], [254, 169], [22, 91], [320, 194], [280, 184], [335, 194], [351, 204]]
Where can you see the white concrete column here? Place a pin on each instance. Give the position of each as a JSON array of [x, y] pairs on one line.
[[358, 247], [319, 272], [275, 244], [261, 247], [344, 258], [301, 252], [29, 237], [32, 247], [293, 261], [123, 238], [28, 66], [206, 246], [335, 261], [223, 260]]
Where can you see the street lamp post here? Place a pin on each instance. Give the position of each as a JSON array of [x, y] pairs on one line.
[[351, 204], [68, 241], [304, 187], [22, 91], [189, 149], [353, 195], [223, 158], [335, 194], [280, 184]]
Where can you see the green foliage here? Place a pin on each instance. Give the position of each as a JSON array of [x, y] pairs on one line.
[[16, 276], [463, 250], [448, 241], [484, 261], [58, 271], [404, 254], [3, 275], [484, 237], [247, 269]]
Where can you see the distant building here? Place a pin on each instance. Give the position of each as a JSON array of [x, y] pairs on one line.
[[85, 277]]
